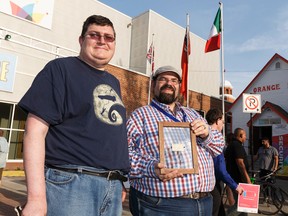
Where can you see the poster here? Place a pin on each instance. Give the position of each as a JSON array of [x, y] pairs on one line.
[[248, 201], [280, 142], [7, 71], [37, 11]]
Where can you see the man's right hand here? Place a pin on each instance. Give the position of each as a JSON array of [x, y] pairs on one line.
[[36, 208], [166, 175]]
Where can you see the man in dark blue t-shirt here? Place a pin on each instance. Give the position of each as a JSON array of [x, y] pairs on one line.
[[75, 136]]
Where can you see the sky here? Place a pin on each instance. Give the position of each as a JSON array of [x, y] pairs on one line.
[[254, 30]]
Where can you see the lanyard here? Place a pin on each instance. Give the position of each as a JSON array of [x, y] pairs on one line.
[[168, 114]]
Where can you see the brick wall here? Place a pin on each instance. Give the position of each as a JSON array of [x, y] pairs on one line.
[[134, 89]]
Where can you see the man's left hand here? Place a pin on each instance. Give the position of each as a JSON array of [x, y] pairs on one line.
[[200, 128]]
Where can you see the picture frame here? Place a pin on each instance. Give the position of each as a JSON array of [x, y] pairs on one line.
[[177, 147]]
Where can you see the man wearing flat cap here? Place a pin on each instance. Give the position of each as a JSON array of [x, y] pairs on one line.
[[153, 192]]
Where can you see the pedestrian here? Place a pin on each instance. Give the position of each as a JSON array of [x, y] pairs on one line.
[[268, 157], [215, 119], [172, 192], [237, 165], [4, 149], [75, 137]]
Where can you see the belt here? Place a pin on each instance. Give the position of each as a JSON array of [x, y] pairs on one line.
[[109, 175], [196, 195]]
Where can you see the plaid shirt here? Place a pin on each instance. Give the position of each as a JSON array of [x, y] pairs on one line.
[[142, 132]]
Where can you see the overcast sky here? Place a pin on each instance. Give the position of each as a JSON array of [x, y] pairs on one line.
[[254, 30]]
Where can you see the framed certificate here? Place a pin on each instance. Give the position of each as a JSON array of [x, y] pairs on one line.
[[177, 147]]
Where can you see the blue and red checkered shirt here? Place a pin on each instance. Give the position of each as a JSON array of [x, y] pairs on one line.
[[143, 144]]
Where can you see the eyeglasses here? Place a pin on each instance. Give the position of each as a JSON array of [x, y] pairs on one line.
[[97, 36], [165, 80]]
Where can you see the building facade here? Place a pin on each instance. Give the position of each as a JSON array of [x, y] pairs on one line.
[[50, 29], [271, 86]]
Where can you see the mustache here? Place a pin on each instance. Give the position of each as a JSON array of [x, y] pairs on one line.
[[167, 86]]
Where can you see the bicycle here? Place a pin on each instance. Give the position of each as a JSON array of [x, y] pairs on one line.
[[272, 199]]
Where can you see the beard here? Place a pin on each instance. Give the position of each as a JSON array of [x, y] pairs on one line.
[[165, 97]]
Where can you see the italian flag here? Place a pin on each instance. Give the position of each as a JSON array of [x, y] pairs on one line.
[[214, 41]]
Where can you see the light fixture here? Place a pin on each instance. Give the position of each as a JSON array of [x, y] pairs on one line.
[[7, 37]]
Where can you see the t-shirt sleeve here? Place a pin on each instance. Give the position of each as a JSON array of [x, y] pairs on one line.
[[275, 152], [45, 97]]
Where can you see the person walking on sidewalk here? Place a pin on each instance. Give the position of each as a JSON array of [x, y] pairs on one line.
[[75, 136]]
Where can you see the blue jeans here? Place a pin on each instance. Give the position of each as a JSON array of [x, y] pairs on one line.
[[74, 194], [144, 205]]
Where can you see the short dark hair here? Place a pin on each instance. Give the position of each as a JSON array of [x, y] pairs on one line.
[[98, 20], [265, 138], [213, 115], [238, 131]]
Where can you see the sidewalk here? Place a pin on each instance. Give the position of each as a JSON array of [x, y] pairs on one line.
[[13, 193]]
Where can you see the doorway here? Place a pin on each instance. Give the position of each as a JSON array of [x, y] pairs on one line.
[[258, 134]]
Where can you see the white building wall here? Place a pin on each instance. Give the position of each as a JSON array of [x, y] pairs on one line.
[[277, 80], [168, 38], [134, 37], [273, 85]]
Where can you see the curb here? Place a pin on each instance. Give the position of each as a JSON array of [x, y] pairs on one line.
[[13, 173]]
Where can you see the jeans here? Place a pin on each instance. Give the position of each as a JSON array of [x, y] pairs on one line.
[[71, 194], [144, 205]]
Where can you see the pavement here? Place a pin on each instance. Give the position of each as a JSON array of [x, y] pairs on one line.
[[13, 193]]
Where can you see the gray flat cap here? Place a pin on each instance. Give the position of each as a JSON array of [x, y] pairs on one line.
[[167, 69]]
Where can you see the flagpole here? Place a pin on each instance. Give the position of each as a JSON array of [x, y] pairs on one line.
[[152, 67], [187, 53], [222, 65]]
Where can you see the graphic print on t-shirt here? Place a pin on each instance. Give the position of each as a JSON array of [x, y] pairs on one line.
[[107, 104]]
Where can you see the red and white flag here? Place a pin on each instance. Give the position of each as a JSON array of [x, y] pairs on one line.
[[184, 64], [214, 40]]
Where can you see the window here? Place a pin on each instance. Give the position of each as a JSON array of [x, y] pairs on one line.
[[269, 121], [12, 121], [277, 65]]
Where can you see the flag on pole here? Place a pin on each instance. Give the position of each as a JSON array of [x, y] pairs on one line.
[[214, 40], [150, 57], [184, 63]]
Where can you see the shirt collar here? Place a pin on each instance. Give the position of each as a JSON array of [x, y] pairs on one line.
[[166, 107]]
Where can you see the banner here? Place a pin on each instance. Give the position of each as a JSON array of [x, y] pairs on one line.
[[7, 72], [39, 12], [280, 142]]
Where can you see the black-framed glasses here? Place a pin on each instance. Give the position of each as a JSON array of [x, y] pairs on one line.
[[174, 81], [97, 36]]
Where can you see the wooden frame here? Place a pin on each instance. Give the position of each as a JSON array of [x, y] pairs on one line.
[[177, 147]]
